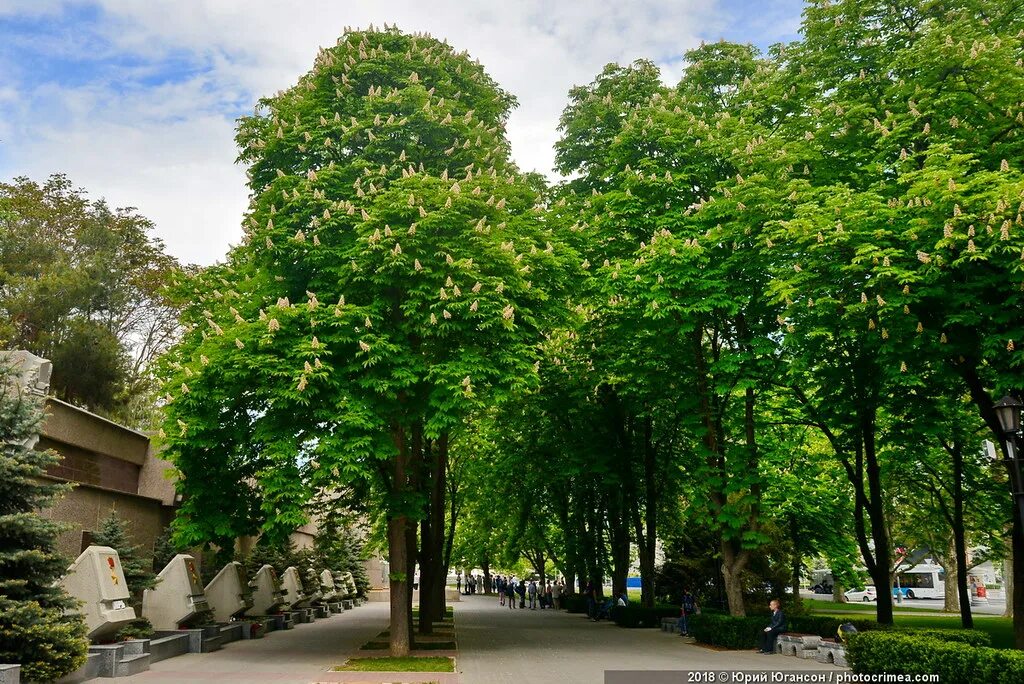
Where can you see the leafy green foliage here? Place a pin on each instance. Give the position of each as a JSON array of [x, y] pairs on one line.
[[952, 659], [278, 555], [339, 549], [164, 549], [392, 275], [139, 628], [83, 287], [729, 631]]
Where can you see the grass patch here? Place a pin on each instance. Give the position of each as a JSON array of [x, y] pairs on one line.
[[406, 664], [443, 633], [999, 629], [418, 646], [829, 607]]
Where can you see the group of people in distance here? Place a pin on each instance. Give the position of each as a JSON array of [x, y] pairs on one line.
[[472, 584], [537, 594], [533, 594]]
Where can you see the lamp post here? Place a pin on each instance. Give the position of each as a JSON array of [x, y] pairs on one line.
[[1008, 410]]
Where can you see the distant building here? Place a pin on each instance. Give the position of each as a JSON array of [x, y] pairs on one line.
[[112, 467]]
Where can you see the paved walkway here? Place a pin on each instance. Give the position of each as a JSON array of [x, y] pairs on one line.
[[296, 656], [498, 645]]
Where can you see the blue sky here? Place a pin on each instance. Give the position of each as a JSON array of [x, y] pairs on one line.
[[136, 100]]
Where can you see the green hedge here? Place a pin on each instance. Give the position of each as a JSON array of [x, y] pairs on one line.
[[727, 631], [971, 637], [637, 616], [575, 603], [955, 662]]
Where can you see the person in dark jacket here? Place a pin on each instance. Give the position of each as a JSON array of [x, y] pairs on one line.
[[688, 610], [774, 629]]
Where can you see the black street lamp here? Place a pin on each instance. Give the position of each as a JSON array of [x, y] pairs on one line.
[[1008, 410]]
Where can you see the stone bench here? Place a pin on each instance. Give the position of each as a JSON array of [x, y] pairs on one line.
[[831, 652], [799, 645], [124, 659], [168, 646], [232, 631], [669, 624]]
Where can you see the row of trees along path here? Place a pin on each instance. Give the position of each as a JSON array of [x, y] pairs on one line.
[[762, 289]]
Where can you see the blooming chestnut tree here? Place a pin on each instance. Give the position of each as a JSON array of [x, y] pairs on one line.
[[392, 278]]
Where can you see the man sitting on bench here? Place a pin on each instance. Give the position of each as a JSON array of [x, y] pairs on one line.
[[604, 611], [773, 630]]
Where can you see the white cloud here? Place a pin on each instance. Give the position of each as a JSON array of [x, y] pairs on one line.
[[169, 149]]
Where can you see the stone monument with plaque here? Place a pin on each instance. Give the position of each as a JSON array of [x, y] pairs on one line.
[[228, 593], [97, 579], [178, 599]]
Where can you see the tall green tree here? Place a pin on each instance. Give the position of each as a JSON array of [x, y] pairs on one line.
[[82, 284], [890, 173], [39, 627], [394, 278], [681, 306]]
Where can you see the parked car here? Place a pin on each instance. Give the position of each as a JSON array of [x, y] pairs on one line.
[[868, 593]]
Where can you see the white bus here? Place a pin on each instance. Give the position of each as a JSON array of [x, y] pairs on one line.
[[926, 580]]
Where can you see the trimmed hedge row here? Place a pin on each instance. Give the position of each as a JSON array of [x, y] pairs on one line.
[[575, 603], [727, 631], [954, 661], [638, 616], [970, 637]]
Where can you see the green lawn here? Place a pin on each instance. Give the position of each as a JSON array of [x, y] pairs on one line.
[[827, 607], [407, 664], [1000, 629]]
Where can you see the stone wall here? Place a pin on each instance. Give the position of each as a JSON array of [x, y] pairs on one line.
[[86, 506], [112, 468]]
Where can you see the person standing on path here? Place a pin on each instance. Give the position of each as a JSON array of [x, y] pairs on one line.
[[499, 584], [521, 590], [547, 597], [591, 600], [688, 608], [556, 595], [510, 592], [458, 583], [532, 591]]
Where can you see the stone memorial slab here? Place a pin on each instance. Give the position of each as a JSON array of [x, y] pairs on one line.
[[97, 579], [178, 599]]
